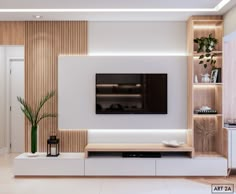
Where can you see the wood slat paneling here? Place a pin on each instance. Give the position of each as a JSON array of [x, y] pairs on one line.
[[205, 132], [12, 33], [190, 139], [44, 41], [190, 73]]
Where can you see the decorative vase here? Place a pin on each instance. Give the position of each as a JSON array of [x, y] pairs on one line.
[[34, 139], [205, 78]]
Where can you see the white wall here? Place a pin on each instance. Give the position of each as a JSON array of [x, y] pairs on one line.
[[230, 21], [76, 87], [137, 37], [2, 97], [14, 51], [129, 38], [6, 52]]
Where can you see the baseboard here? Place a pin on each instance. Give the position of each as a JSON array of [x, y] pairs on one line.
[[3, 151]]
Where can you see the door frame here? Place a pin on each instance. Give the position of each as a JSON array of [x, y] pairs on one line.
[[8, 102]]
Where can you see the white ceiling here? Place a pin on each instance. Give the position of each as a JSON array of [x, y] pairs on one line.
[[17, 4], [100, 10]]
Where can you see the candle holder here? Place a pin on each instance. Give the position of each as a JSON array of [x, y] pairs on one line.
[[53, 146]]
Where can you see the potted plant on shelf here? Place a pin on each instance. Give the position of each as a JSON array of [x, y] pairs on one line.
[[206, 46], [34, 116]]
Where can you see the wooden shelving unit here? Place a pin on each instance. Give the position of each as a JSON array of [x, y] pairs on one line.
[[208, 135], [135, 148]]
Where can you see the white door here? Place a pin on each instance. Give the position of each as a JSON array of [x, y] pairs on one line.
[[17, 132]]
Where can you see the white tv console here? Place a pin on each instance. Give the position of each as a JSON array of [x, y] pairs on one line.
[[77, 164]]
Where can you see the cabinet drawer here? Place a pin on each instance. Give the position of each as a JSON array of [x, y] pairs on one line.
[[119, 167]]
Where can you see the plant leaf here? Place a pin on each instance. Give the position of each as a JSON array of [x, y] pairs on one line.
[[41, 103], [26, 109], [200, 62], [46, 115], [196, 40], [201, 56], [205, 66], [27, 114]]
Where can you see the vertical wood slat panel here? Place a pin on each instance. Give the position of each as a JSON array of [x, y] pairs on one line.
[[44, 41], [12, 33]]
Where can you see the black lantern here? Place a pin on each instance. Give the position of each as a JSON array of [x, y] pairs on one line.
[[53, 146]]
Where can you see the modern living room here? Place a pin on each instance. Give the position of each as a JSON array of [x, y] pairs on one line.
[[117, 96]]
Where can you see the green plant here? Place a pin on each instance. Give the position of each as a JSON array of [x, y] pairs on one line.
[[206, 46], [34, 116]]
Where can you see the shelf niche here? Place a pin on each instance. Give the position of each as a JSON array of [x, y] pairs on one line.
[[208, 135]]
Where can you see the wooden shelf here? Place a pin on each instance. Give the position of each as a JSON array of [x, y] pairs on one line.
[[195, 53], [207, 84], [135, 148], [208, 154], [207, 115]]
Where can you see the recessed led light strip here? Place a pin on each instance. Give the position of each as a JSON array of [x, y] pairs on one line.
[[215, 9], [103, 10], [143, 54], [206, 27]]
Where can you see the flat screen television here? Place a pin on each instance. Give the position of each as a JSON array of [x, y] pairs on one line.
[[131, 93]]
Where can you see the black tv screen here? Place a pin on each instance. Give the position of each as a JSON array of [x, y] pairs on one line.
[[131, 93]]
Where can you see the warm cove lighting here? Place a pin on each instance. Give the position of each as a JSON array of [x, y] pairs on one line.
[[163, 131], [215, 9], [136, 54], [142, 130], [206, 85], [205, 27]]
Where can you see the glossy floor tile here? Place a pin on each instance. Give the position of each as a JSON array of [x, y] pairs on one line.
[[100, 185]]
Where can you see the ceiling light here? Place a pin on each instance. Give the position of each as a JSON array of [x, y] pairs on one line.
[[106, 10], [37, 16]]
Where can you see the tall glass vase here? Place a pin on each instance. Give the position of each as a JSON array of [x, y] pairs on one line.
[[34, 139]]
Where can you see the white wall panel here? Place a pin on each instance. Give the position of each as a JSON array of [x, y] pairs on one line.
[[76, 89]]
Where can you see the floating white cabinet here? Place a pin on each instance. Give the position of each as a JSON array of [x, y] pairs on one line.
[[74, 164], [66, 164], [119, 167], [197, 166]]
